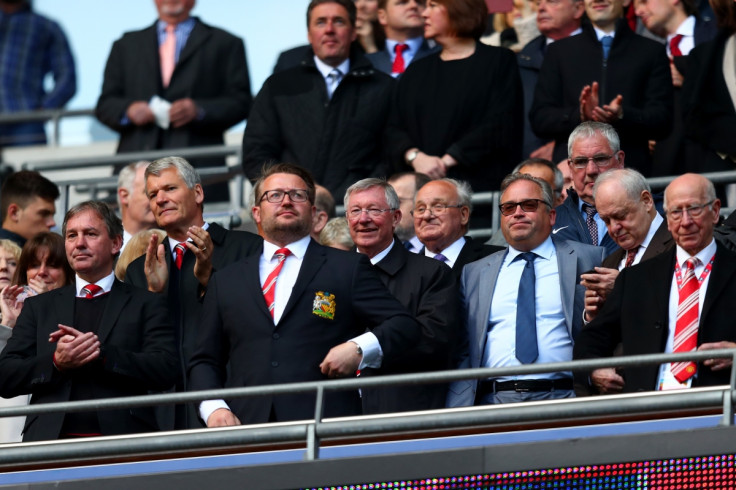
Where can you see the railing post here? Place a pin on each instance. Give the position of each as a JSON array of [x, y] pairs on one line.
[[728, 396], [56, 119], [312, 439]]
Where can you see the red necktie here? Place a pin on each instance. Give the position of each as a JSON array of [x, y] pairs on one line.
[[90, 290], [179, 251], [167, 55], [675, 45], [399, 66], [686, 326], [269, 287]]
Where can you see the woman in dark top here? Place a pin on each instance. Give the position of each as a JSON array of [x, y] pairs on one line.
[[459, 113]]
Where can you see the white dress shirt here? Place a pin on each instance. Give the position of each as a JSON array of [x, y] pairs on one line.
[[105, 283], [451, 253]]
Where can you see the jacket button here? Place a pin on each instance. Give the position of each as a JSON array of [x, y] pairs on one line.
[[274, 364], [276, 336]]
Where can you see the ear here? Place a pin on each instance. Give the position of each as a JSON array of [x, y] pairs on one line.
[[620, 157], [578, 9], [464, 215], [14, 212], [198, 194], [647, 199], [552, 217], [397, 218], [319, 220], [117, 244], [382, 17], [255, 211], [123, 196], [716, 209]]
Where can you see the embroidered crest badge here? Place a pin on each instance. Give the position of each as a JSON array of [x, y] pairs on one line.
[[324, 305]]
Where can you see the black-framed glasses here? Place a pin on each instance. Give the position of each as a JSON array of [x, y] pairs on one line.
[[277, 195], [692, 211], [527, 205], [600, 161], [435, 209], [355, 213]]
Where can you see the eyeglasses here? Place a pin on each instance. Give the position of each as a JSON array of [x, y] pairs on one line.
[[527, 205], [435, 209], [600, 161], [277, 195], [372, 212], [692, 211]]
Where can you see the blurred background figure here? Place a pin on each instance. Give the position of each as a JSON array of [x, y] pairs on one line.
[[325, 204], [135, 212], [370, 34], [9, 255], [336, 234], [514, 29], [136, 246], [32, 48]]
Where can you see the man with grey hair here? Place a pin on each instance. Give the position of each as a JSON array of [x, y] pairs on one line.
[[425, 287], [96, 338], [593, 148], [677, 302], [135, 212], [181, 266], [441, 215], [523, 305]]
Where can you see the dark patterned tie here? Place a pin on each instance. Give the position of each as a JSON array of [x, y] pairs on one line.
[[590, 222], [630, 255]]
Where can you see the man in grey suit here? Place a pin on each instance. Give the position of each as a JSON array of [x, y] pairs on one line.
[[404, 27], [523, 305]]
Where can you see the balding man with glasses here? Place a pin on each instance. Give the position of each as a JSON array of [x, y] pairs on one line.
[[678, 301], [523, 305], [593, 148]]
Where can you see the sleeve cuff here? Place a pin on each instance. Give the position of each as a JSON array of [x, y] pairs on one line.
[[208, 406], [372, 352]]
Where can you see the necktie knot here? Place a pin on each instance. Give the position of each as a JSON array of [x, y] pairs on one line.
[[333, 80], [675, 45], [529, 257], [606, 41], [589, 209], [630, 256], [440, 257], [282, 253], [691, 264], [269, 286], [91, 290], [179, 251]]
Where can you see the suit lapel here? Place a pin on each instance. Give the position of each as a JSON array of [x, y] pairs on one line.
[[252, 281], [314, 258], [661, 241], [200, 33], [485, 294], [119, 296], [394, 260], [149, 53], [722, 275]]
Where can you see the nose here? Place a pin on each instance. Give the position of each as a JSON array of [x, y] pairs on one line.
[[3, 265], [42, 270], [50, 222], [686, 219]]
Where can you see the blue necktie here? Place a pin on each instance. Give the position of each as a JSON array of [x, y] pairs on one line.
[[408, 245], [526, 313], [606, 41], [440, 257]]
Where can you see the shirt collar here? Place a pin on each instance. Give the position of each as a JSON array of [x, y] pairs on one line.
[[380, 255], [188, 24], [546, 250], [704, 255], [653, 227], [297, 248], [600, 34], [105, 283], [414, 44], [687, 28], [325, 69]]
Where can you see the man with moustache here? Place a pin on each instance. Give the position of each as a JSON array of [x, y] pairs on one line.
[[305, 322]]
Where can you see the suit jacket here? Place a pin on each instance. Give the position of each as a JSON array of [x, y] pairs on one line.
[[477, 286], [183, 293], [644, 330], [382, 59], [239, 345], [661, 242], [212, 70], [428, 290], [138, 354], [530, 60], [637, 68]]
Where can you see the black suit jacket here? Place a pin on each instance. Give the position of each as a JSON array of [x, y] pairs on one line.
[[239, 345], [138, 353], [428, 290], [472, 250], [184, 295], [661, 242], [643, 330]]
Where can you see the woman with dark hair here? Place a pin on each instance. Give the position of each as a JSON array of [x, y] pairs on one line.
[[459, 112], [709, 97]]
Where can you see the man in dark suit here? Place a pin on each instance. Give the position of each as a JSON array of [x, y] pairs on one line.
[[99, 338], [523, 305], [312, 313], [441, 215], [678, 301], [626, 84], [176, 199], [425, 287], [188, 98], [404, 27]]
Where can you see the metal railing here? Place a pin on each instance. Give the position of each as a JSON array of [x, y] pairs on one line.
[[312, 432], [53, 115]]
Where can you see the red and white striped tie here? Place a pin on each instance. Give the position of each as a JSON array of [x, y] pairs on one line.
[[269, 287], [686, 327]]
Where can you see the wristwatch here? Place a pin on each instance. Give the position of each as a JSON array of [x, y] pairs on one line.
[[412, 156], [358, 349]]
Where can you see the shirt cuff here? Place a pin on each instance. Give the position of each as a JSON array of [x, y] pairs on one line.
[[208, 406], [372, 352]]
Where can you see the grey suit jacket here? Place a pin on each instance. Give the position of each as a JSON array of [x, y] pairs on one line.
[[382, 59], [477, 285]]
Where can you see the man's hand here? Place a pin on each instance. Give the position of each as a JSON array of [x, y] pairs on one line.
[[592, 305], [202, 247], [342, 361], [720, 363], [182, 111], [74, 348], [601, 282], [588, 101], [155, 266], [607, 381], [545, 151], [430, 165], [222, 417], [610, 113], [140, 114]]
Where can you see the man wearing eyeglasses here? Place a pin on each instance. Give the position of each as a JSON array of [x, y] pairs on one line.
[[593, 148], [425, 287], [523, 305], [677, 302], [296, 312], [441, 215]]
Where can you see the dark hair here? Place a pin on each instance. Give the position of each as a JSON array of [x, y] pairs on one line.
[[725, 11], [468, 18], [690, 7], [22, 187], [112, 222], [283, 168], [547, 195], [45, 240], [349, 5]]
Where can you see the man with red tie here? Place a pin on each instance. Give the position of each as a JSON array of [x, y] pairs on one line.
[[678, 301], [97, 338], [296, 312]]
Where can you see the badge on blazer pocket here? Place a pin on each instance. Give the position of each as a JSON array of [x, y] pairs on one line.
[[324, 305]]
